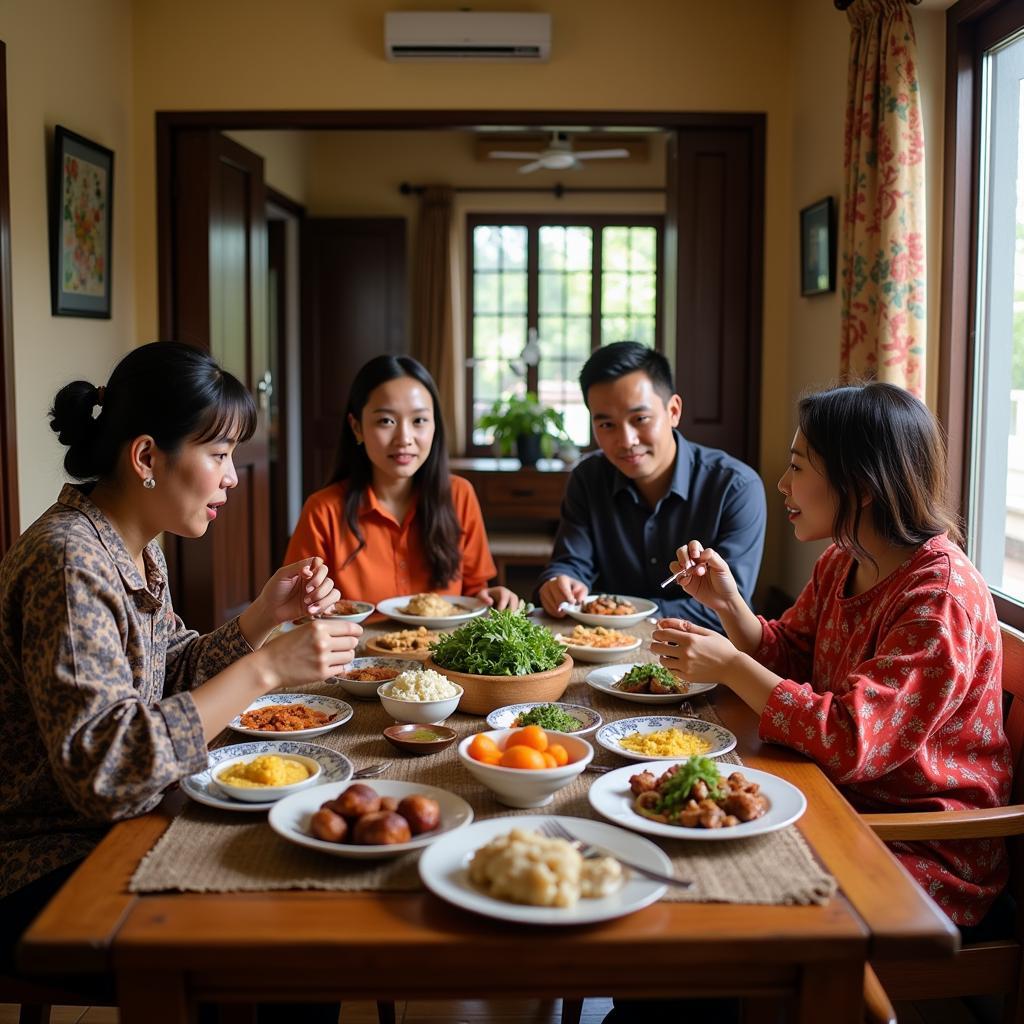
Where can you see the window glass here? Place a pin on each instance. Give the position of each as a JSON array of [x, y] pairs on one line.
[[996, 509], [565, 286]]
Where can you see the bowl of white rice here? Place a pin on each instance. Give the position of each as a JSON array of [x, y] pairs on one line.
[[420, 695]]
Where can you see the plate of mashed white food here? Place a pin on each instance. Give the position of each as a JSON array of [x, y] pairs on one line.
[[505, 869], [432, 611]]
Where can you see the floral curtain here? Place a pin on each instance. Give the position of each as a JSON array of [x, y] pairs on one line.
[[432, 296], [883, 263]]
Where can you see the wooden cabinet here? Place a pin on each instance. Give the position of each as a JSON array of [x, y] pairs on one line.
[[515, 498]]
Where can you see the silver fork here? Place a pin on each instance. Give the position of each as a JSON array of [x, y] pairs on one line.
[[555, 830]]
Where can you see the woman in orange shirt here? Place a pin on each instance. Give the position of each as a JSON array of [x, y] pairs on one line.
[[393, 521]]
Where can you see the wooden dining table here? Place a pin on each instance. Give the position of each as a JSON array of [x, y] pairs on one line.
[[171, 950]]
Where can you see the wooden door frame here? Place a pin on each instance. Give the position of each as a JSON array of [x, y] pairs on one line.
[[9, 512], [168, 123]]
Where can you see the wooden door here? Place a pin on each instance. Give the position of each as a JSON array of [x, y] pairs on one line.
[[219, 302], [354, 298], [8, 444], [714, 244]]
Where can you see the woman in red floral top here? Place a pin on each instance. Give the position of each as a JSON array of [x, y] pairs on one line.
[[886, 671], [106, 698]]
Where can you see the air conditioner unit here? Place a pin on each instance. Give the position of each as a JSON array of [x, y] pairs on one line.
[[467, 35]]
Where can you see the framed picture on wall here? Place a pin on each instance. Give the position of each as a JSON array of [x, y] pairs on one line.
[[818, 247], [81, 210]]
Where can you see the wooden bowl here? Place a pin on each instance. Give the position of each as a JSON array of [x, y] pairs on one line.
[[483, 694]]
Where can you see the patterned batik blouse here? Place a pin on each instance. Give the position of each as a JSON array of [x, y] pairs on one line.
[[897, 694], [95, 716]]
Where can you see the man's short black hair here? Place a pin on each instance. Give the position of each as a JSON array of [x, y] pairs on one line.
[[610, 362]]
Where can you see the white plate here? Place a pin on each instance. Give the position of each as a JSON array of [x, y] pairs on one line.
[[289, 818], [473, 607], [604, 679], [612, 798], [502, 718], [644, 609], [580, 652], [444, 870], [201, 787], [608, 736], [364, 609], [328, 705]]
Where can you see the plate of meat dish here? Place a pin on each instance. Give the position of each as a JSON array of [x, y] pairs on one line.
[[435, 611], [647, 683], [291, 716], [613, 610], [748, 802]]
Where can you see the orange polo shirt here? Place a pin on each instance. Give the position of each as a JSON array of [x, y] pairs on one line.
[[392, 562]]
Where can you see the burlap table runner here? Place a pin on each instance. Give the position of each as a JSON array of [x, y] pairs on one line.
[[208, 850]]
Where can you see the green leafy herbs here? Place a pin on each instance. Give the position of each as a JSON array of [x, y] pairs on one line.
[[548, 716], [676, 791], [501, 643]]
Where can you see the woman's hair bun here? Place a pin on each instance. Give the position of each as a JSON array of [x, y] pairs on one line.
[[71, 419]]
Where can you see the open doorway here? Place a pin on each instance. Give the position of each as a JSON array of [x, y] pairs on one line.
[[712, 256]]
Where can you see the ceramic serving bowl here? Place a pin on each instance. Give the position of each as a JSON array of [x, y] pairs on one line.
[[366, 689], [506, 717], [485, 693], [418, 711], [263, 794], [527, 787], [416, 739]]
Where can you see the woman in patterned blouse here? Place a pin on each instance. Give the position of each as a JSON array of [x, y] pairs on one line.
[[887, 669], [106, 698]]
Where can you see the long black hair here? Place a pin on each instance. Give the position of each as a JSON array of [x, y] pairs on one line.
[[882, 450], [439, 529], [173, 392]]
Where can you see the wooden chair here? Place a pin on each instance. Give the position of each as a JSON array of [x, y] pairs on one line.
[[983, 968]]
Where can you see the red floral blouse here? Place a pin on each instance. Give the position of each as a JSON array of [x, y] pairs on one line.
[[903, 710]]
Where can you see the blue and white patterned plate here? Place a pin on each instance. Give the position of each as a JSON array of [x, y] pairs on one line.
[[339, 711], [610, 735], [504, 718], [201, 787]]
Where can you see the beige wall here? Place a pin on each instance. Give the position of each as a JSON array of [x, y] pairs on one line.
[[91, 45], [786, 59]]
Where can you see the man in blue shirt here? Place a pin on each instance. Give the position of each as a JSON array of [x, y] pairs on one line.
[[647, 492]]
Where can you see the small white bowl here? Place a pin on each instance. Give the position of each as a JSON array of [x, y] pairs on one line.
[[527, 787], [263, 794], [366, 689], [426, 712]]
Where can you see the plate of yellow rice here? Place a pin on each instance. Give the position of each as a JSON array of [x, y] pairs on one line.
[[664, 738]]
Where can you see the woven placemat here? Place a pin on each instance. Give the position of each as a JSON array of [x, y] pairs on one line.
[[208, 850]]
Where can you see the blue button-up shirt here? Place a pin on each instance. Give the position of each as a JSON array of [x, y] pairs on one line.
[[610, 539]]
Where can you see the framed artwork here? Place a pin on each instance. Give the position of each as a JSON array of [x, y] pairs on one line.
[[81, 210], [818, 247]]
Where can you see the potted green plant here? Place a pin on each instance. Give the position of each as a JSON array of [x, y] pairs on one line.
[[521, 421]]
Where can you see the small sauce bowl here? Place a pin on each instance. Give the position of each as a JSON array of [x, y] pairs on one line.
[[420, 739]]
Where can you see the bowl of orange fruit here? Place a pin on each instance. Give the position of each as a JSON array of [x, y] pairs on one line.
[[524, 767]]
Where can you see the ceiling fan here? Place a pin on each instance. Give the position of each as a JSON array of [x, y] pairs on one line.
[[558, 156]]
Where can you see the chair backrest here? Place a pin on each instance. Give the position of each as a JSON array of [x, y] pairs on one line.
[[1013, 702], [1013, 723]]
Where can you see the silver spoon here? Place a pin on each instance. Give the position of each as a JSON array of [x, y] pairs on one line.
[[371, 770]]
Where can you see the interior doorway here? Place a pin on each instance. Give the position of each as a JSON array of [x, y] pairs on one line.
[[9, 515]]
